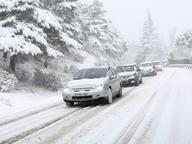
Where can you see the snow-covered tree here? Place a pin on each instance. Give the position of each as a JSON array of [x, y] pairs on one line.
[[184, 44], [184, 40], [149, 36], [68, 12], [27, 28], [98, 34]]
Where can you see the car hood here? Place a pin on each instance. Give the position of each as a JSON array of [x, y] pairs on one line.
[[146, 68], [126, 73], [86, 83]]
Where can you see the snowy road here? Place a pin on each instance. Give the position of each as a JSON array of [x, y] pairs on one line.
[[156, 112]]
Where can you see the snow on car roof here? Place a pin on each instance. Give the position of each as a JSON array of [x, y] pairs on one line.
[[133, 64], [94, 67], [146, 62]]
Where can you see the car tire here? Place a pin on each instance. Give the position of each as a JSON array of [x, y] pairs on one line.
[[137, 82], [120, 92], [109, 99], [141, 81], [69, 103]]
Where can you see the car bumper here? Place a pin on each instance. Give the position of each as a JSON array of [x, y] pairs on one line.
[[159, 69], [85, 96], [128, 81], [148, 73]]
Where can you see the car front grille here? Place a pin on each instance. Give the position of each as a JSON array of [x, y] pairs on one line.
[[82, 97], [82, 89]]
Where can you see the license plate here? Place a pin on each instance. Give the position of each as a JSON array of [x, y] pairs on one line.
[[81, 94]]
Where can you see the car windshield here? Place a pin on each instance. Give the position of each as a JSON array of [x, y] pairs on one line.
[[125, 68], [146, 64], [92, 73], [156, 63]]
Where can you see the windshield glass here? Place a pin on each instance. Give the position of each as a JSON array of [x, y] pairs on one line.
[[125, 68], [146, 64], [90, 73], [156, 63]]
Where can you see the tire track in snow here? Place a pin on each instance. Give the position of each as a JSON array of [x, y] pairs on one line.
[[140, 116], [27, 113], [12, 132], [8, 139], [84, 115]]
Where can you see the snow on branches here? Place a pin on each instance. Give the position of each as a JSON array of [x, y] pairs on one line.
[[185, 40]]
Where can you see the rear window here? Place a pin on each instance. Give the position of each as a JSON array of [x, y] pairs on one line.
[[92, 73], [146, 64], [156, 63], [125, 68]]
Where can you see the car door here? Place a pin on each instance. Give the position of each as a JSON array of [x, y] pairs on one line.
[[114, 80]]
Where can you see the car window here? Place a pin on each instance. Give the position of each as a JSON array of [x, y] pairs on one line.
[[146, 64], [156, 63], [90, 73], [113, 72], [126, 68]]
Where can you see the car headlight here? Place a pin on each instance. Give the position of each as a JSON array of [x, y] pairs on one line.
[[67, 90], [132, 76], [152, 70], [99, 88]]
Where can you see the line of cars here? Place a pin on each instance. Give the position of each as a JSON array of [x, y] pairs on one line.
[[102, 82]]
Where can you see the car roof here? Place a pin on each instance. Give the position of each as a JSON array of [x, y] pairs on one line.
[[146, 62], [95, 67], [156, 61], [127, 65]]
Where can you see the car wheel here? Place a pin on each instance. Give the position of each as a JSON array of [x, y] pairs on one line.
[[137, 82], [120, 92], [110, 97], [141, 81], [69, 103]]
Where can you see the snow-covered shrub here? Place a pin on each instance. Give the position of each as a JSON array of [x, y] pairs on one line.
[[78, 58], [73, 69], [47, 80], [23, 75], [7, 81], [66, 69]]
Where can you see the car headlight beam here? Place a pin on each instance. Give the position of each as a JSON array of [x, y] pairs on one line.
[[99, 88], [66, 90]]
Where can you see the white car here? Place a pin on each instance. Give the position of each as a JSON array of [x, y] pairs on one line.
[[91, 84], [158, 65], [148, 69]]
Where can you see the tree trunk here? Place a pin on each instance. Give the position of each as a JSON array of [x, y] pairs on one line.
[[13, 63]]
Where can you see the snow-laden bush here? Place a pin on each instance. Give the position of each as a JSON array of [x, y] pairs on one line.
[[47, 80], [66, 69], [23, 75], [7, 81], [73, 69]]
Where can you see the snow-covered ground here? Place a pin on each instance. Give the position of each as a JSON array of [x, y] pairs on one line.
[[156, 112], [18, 101]]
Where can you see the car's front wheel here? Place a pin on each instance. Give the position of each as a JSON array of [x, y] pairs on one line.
[[136, 82], [69, 103], [120, 92], [109, 99]]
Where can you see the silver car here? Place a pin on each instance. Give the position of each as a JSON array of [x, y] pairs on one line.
[[148, 69], [91, 84]]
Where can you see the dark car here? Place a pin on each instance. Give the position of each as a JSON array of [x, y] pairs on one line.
[[130, 74], [148, 69]]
